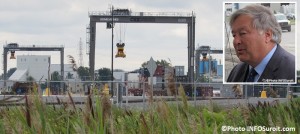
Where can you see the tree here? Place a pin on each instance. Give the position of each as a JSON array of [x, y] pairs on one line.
[[55, 76], [203, 78], [161, 62], [104, 74], [30, 79], [31, 82], [118, 70], [69, 76], [73, 62], [83, 73]]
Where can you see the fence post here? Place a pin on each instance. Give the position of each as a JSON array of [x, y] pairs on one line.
[[246, 94], [143, 95], [126, 88], [195, 93]]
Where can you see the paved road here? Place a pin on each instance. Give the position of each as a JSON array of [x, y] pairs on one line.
[[136, 102], [228, 103]]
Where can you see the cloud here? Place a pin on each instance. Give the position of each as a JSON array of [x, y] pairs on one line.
[[63, 22], [32, 5]]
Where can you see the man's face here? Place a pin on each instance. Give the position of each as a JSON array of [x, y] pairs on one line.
[[248, 42]]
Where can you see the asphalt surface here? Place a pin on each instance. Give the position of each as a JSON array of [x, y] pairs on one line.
[[137, 102]]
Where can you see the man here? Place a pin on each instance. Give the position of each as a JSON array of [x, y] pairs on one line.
[[256, 41]]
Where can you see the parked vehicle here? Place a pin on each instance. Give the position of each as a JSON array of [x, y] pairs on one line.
[[283, 22], [291, 16], [22, 88]]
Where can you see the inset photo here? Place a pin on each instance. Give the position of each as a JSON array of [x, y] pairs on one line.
[[260, 43]]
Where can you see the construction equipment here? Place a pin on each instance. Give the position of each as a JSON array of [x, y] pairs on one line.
[[12, 55], [24, 87]]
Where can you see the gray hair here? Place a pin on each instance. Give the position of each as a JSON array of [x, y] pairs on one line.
[[262, 20]]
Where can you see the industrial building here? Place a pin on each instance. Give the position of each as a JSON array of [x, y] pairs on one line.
[[31, 66], [39, 68], [208, 69]]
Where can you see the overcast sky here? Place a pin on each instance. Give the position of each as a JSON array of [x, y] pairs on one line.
[[63, 22]]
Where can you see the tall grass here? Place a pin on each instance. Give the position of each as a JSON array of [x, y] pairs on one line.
[[99, 116]]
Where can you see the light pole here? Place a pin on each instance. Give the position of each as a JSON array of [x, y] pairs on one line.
[[112, 50]]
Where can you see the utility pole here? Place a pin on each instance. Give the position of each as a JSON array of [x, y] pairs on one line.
[[80, 62], [112, 51]]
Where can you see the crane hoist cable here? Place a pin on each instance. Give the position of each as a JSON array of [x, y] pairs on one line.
[[121, 34]]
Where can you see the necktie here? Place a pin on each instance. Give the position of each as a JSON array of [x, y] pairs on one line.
[[251, 75]]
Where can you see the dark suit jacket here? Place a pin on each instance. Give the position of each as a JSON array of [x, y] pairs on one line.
[[280, 67]]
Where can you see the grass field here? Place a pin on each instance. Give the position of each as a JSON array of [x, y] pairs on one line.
[[99, 116]]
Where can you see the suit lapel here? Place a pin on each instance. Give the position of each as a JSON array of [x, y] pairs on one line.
[[243, 72], [270, 71]]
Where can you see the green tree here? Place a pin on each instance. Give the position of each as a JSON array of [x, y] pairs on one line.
[[118, 70], [69, 76], [55, 76], [73, 62], [104, 74], [83, 73], [163, 63], [30, 79]]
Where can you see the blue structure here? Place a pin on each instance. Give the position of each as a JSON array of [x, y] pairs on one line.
[[204, 66], [220, 70], [214, 65]]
